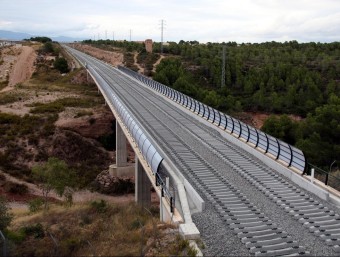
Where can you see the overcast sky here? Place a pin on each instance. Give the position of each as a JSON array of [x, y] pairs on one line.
[[202, 20]]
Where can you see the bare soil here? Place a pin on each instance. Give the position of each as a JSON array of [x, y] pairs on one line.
[[17, 201], [74, 139], [157, 62], [140, 68], [24, 66], [21, 107], [91, 126], [19, 63], [9, 56], [257, 119], [114, 58]]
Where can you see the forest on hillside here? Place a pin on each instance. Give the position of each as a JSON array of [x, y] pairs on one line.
[[302, 79]]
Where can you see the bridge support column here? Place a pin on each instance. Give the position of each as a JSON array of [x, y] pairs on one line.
[[121, 168], [164, 214], [142, 186], [121, 151]]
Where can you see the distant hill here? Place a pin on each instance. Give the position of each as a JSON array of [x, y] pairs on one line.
[[10, 35], [17, 36]]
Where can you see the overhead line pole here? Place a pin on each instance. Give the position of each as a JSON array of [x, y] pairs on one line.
[[162, 31]]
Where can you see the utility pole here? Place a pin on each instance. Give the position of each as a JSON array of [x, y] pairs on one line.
[[162, 30], [130, 34], [223, 67]]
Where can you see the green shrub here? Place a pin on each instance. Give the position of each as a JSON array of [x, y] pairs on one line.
[[191, 252], [85, 220], [54, 107], [183, 248], [61, 65], [83, 113], [37, 230], [40, 39], [9, 97], [13, 125], [100, 207], [16, 237], [72, 244], [35, 205], [48, 47], [136, 224], [60, 104]]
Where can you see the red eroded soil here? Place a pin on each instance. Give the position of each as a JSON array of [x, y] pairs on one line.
[[257, 119]]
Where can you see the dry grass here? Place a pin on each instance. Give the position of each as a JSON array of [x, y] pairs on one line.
[[96, 228], [12, 97]]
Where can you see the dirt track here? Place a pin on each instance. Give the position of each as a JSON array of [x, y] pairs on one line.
[[23, 66]]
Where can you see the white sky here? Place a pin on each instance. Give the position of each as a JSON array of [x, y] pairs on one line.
[[202, 20]]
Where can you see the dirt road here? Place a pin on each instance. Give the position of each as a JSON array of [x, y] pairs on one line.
[[157, 62], [23, 68], [140, 68]]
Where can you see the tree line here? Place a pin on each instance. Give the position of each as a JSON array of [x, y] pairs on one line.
[[301, 79], [277, 78]]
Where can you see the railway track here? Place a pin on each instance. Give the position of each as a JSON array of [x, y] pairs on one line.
[[263, 237], [267, 239], [311, 213]]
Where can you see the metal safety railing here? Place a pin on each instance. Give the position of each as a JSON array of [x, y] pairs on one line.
[[324, 176], [149, 152], [3, 242], [279, 150], [165, 192]]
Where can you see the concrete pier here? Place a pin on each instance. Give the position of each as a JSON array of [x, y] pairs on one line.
[[121, 151], [142, 186], [121, 168]]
